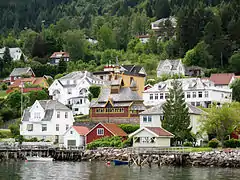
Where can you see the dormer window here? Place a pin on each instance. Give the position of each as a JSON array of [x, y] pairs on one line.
[[37, 115]]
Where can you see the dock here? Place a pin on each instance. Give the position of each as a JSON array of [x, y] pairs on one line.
[[141, 156]]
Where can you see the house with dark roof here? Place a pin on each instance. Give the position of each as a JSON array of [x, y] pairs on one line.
[[126, 72], [75, 137], [222, 80], [117, 103], [46, 120], [57, 56], [104, 130], [20, 72], [72, 90]]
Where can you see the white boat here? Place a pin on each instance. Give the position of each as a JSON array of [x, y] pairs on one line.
[[36, 158]]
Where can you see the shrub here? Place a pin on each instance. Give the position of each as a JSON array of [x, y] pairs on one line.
[[95, 90], [14, 128], [127, 143], [3, 86], [213, 143], [232, 143], [187, 144], [113, 141], [128, 128]]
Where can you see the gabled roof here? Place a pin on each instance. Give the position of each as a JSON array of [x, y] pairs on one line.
[[174, 63], [60, 54], [81, 130], [157, 131], [158, 110], [32, 80], [222, 78], [20, 71], [132, 70], [111, 127]]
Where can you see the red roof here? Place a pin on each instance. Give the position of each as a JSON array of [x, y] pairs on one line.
[[117, 131], [81, 130], [32, 80], [159, 131], [222, 79], [60, 55]]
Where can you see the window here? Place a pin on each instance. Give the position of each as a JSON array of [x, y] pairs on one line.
[[145, 118], [100, 131], [57, 127], [188, 95], [71, 132], [37, 115], [149, 118], [206, 94], [67, 126], [222, 95], [156, 96], [58, 114], [66, 114], [101, 77], [29, 127], [198, 104], [76, 109], [80, 101], [69, 91], [194, 94], [161, 117], [200, 94], [161, 95], [166, 95], [44, 127], [151, 96]]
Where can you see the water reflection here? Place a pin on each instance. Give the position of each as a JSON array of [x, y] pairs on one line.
[[100, 171]]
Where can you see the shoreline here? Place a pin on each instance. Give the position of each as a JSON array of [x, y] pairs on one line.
[[215, 158]]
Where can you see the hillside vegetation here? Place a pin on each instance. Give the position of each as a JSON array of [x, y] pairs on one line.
[[207, 33]]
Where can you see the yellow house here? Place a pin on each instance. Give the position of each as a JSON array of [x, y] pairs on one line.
[[128, 73]]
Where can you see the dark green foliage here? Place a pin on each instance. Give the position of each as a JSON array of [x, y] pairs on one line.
[[62, 66], [232, 143], [3, 86], [6, 56], [113, 141], [36, 95], [176, 117], [129, 128], [235, 86], [15, 130], [95, 91], [187, 144], [213, 143], [234, 62]]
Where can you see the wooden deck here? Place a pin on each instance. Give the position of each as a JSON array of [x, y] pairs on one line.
[[159, 151]]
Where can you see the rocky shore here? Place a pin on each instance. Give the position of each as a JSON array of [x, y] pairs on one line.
[[215, 158]]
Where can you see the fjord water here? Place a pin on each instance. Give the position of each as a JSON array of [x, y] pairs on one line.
[[100, 171]]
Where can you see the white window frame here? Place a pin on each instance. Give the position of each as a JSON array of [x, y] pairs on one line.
[[151, 96], [100, 131], [194, 95], [66, 115], [149, 119], [57, 127], [206, 94], [58, 114], [44, 127], [67, 126], [200, 94], [37, 115], [145, 119], [188, 95]]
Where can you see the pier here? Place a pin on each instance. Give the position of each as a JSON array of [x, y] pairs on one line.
[[20, 152], [141, 156]]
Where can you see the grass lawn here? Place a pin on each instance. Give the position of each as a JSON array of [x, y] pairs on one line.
[[3, 93], [5, 133]]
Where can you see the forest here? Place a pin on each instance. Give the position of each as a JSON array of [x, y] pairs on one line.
[[206, 35]]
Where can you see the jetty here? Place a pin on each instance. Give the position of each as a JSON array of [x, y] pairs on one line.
[[141, 156], [20, 152]]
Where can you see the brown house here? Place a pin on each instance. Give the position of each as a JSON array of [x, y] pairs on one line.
[[117, 104]]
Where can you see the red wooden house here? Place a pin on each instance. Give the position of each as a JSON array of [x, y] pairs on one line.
[[117, 104], [20, 72], [104, 130]]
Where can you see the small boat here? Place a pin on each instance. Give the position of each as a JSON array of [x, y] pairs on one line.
[[118, 162], [36, 158]]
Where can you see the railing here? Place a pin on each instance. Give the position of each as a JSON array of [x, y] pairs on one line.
[[158, 150]]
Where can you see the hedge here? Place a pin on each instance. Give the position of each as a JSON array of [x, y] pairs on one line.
[[129, 128], [232, 143], [213, 143]]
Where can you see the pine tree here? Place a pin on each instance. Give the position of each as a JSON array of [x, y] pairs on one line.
[[7, 57], [1, 67], [176, 117]]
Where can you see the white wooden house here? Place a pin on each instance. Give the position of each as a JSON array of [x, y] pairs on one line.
[[46, 120], [75, 136], [72, 90], [170, 67]]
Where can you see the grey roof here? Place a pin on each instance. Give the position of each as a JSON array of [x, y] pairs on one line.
[[53, 105], [20, 71], [172, 19], [132, 69], [125, 95], [174, 63], [158, 109], [49, 106]]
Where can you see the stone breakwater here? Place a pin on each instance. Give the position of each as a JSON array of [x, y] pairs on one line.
[[224, 158]]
